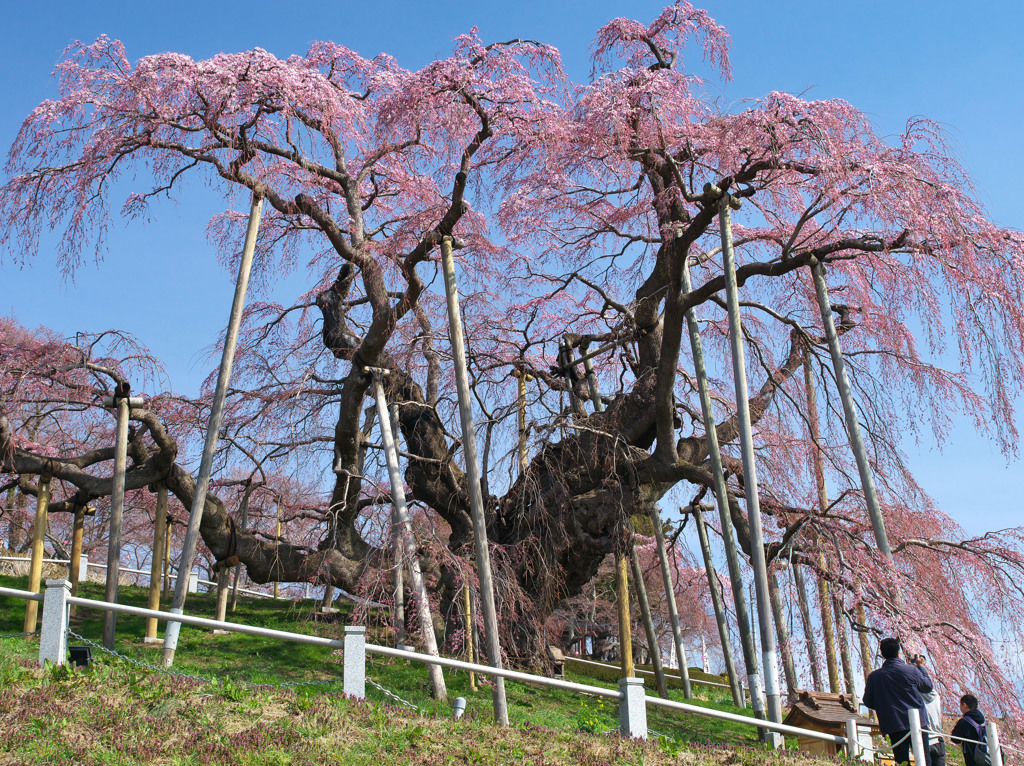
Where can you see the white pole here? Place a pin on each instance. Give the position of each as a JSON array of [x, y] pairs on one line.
[[995, 753], [850, 410], [439, 691], [757, 558], [195, 517], [476, 501], [916, 739]]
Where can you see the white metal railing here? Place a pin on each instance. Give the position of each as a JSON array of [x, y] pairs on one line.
[[633, 701]]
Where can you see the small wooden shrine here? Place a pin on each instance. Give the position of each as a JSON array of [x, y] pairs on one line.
[[826, 713]]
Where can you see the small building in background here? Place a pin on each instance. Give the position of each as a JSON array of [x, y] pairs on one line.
[[828, 713]]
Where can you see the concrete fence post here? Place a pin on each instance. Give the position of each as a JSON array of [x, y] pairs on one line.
[[916, 738], [995, 754], [53, 643], [193, 582], [83, 568], [354, 681], [633, 708]]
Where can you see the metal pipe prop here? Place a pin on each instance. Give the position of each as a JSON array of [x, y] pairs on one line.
[[732, 555], [476, 501], [757, 557], [195, 516], [867, 478], [439, 690]]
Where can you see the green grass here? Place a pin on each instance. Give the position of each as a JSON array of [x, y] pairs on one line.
[[113, 695]]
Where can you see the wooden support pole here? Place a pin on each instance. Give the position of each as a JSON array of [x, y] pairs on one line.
[[850, 410], [719, 607], [467, 623], [438, 689], [782, 629], [77, 533], [123, 404], [476, 501], [670, 601], [805, 618], [625, 626], [522, 379], [35, 573], [243, 524], [862, 637], [757, 555], [824, 601], [156, 564], [595, 393], [167, 557], [721, 490], [195, 516], [223, 581], [396, 542], [645, 613], [844, 645]]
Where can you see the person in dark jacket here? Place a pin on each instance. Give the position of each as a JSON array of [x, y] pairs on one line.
[[969, 727], [891, 691]]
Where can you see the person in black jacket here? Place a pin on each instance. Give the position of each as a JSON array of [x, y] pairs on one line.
[[891, 691], [969, 727]]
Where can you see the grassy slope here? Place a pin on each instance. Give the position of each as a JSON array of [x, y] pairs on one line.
[[116, 713]]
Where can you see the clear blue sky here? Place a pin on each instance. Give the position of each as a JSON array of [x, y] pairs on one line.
[[939, 59]]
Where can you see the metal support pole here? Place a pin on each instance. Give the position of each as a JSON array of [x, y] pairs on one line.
[[850, 410], [438, 689], [916, 736], [156, 565], [277, 543], [719, 607], [732, 555], [757, 557], [476, 502], [995, 752], [670, 600], [645, 613], [853, 749], [124, 405], [195, 517], [35, 573]]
